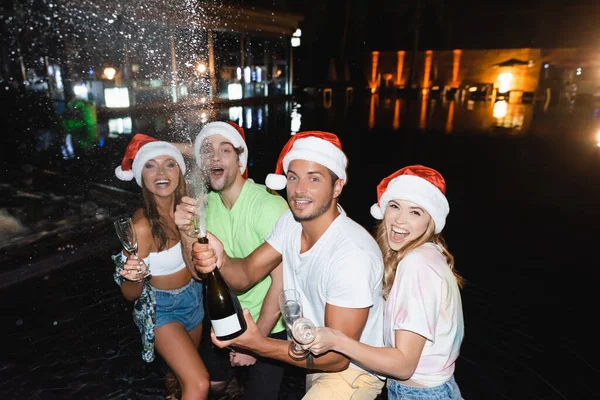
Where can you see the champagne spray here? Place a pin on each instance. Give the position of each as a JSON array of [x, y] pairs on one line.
[[198, 184]]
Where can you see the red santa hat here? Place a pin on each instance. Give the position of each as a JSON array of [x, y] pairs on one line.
[[232, 132], [418, 184], [140, 149], [321, 147]]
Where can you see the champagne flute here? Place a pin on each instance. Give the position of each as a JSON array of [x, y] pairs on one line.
[[304, 331], [196, 190], [126, 233], [291, 312]]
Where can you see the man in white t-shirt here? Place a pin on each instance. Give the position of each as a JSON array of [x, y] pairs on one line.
[[333, 262]]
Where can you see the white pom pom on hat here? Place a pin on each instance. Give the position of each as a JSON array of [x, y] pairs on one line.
[[123, 175], [140, 149], [321, 147], [418, 184]]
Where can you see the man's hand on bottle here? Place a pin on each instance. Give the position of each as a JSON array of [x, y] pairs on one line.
[[207, 257], [249, 340], [184, 214]]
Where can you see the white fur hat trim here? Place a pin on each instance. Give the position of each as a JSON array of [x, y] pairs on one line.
[[416, 190], [148, 152], [311, 149]]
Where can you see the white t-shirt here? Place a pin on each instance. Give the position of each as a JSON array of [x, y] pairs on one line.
[[425, 299], [344, 268]]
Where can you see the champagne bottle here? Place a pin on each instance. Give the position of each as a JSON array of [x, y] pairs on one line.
[[224, 309]]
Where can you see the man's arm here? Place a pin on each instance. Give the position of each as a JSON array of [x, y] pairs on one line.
[[350, 321], [187, 149], [240, 273], [186, 249], [184, 213], [269, 312]]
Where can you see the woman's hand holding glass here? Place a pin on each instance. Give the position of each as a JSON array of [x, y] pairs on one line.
[[301, 330], [126, 233], [326, 339], [134, 269]]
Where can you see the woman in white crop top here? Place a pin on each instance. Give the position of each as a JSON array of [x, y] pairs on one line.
[[168, 309], [423, 320]]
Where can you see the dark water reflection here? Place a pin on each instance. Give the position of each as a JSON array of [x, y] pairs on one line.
[[523, 191]]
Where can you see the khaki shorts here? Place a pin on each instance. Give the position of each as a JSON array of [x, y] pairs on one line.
[[352, 383]]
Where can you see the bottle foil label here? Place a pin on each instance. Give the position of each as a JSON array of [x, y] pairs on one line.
[[226, 326]]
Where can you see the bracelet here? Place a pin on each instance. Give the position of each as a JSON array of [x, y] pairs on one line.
[[310, 363]]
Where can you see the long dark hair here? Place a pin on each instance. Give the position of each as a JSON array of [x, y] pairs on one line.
[[151, 211], [391, 258]]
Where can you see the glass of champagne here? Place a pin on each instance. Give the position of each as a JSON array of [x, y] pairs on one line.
[[126, 233], [304, 331], [196, 190], [291, 312]]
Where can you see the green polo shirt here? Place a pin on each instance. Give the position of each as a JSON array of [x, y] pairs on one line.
[[242, 229]]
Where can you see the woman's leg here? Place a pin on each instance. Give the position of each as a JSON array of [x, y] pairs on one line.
[[179, 349]]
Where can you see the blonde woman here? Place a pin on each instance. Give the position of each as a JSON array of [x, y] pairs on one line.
[[423, 319]]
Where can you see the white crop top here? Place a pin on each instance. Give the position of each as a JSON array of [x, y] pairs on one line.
[[164, 262]]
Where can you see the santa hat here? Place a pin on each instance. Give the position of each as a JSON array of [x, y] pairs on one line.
[[140, 149], [232, 132], [418, 184], [321, 147]]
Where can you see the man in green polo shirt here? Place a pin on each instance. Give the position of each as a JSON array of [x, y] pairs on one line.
[[241, 214]]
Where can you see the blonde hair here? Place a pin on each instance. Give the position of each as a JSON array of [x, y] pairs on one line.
[[391, 258]]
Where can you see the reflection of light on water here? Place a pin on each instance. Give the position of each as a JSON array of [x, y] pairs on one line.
[[119, 125], [374, 98], [396, 123], [235, 115], [450, 119], [423, 118], [296, 119], [500, 109], [509, 115], [259, 118], [248, 117], [67, 148]]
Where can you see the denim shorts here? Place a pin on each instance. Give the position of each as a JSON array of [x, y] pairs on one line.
[[446, 391], [183, 305]]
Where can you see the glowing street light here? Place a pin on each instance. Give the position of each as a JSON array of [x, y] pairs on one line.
[[296, 38], [201, 68], [110, 73], [505, 81]]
